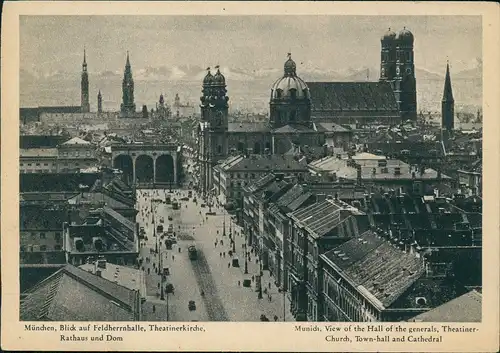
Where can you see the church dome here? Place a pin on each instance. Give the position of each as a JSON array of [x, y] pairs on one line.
[[208, 80], [219, 78], [388, 36], [290, 85], [405, 36]]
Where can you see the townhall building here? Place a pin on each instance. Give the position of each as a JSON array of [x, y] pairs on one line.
[[305, 113]]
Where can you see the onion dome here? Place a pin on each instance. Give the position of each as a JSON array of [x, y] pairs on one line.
[[208, 80], [405, 36], [290, 86], [219, 78], [388, 36]]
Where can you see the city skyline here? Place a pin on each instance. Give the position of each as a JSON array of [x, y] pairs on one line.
[[242, 43]]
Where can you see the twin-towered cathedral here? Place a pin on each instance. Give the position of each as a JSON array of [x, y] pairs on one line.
[[311, 113]]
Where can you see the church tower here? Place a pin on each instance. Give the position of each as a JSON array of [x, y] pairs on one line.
[[388, 57], [405, 87], [447, 104], [128, 105], [85, 105], [213, 144], [99, 102]]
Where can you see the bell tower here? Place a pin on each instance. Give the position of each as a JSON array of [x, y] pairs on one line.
[[388, 56], [85, 105], [405, 87], [128, 105], [447, 104]]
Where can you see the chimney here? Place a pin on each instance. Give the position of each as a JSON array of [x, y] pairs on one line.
[[98, 273], [439, 173], [101, 263]]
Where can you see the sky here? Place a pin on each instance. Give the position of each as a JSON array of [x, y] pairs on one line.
[[55, 43]]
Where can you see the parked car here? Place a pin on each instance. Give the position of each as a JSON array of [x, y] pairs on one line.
[[170, 218], [192, 305]]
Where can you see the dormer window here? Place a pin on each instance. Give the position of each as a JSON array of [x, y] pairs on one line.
[[293, 93], [279, 93]]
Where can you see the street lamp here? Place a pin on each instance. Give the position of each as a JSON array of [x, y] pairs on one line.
[[224, 226], [246, 259]]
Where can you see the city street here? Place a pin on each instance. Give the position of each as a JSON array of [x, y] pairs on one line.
[[225, 298]]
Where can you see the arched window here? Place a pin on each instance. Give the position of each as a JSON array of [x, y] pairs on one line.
[[256, 148]]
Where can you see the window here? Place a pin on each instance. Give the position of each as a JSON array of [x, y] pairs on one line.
[[42, 235], [29, 164], [219, 149], [57, 236], [33, 234], [77, 153], [57, 247], [88, 153], [22, 164], [46, 164], [43, 248]]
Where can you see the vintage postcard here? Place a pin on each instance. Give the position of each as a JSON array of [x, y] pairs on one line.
[[250, 176]]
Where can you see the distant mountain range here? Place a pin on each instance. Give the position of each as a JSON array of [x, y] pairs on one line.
[[191, 73]]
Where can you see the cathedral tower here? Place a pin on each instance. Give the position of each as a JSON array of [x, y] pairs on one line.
[[388, 56], [99, 102], [85, 105], [447, 104], [405, 83], [128, 105]]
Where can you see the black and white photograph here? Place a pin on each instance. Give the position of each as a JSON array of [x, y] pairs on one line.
[[259, 168]]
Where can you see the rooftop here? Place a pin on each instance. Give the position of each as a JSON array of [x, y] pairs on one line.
[[466, 308], [293, 128], [38, 152], [264, 163], [76, 141], [72, 294], [248, 127], [352, 96], [127, 277], [376, 267]]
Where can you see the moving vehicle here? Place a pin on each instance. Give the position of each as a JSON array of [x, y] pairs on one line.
[[192, 305], [168, 200], [190, 193], [159, 228], [170, 218], [184, 198], [192, 252], [175, 205]]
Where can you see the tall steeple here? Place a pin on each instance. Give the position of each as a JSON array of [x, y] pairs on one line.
[[99, 102], [85, 105], [128, 105], [447, 103]]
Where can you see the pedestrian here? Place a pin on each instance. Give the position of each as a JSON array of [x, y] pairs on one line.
[[270, 298], [239, 283], [215, 244], [154, 308], [269, 285], [148, 270], [229, 265], [253, 278], [224, 254], [158, 285], [220, 254], [275, 318], [173, 257], [179, 249], [221, 242]]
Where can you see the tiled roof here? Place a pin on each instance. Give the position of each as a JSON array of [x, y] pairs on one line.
[[292, 128], [299, 201], [60, 109], [330, 127], [76, 141], [352, 96], [466, 308], [319, 218], [278, 163], [38, 152], [72, 294], [375, 266], [248, 127], [260, 183], [97, 197], [129, 224]]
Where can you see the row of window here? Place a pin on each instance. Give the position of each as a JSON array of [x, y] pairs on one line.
[[42, 235], [77, 154], [30, 248], [88, 164], [38, 171]]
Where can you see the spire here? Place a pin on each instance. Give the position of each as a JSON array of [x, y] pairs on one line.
[[128, 60], [448, 93], [99, 94], [84, 56]]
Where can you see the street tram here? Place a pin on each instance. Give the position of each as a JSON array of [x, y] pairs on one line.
[[192, 252]]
